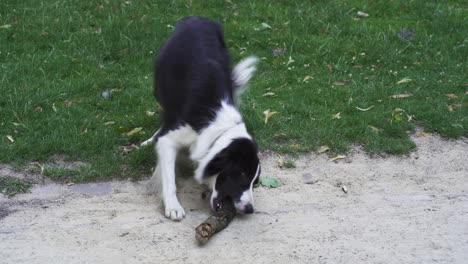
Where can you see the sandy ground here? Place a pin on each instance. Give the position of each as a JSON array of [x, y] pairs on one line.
[[397, 210]]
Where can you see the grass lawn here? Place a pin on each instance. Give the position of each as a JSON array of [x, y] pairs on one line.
[[11, 186], [76, 76]]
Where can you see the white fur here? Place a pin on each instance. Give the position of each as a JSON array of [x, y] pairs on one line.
[[167, 148], [149, 140], [214, 193], [241, 75], [203, 148], [218, 135], [226, 118], [247, 197]]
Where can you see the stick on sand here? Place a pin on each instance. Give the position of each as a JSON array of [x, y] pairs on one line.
[[215, 223]]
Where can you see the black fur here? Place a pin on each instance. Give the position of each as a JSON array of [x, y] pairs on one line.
[[192, 74], [236, 165], [192, 77]]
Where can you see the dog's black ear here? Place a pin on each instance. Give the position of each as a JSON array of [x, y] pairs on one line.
[[217, 164]]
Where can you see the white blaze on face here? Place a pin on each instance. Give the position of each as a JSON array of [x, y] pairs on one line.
[[247, 196]]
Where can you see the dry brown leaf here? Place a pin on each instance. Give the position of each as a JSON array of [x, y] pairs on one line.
[[339, 83], [306, 78], [10, 138], [374, 128], [336, 116], [38, 109], [269, 94], [110, 123], [159, 108], [338, 157], [364, 109], [362, 14], [452, 96], [280, 161], [404, 80], [401, 96], [323, 149], [134, 131], [331, 68], [268, 114], [454, 107], [357, 66], [149, 113], [423, 134]]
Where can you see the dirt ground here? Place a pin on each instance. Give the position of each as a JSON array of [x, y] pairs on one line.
[[397, 210]]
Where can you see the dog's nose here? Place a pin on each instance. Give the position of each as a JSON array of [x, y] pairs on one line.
[[248, 209]]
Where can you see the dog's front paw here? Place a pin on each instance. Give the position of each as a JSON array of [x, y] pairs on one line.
[[174, 211]]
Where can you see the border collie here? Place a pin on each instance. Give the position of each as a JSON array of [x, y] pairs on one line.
[[198, 93]]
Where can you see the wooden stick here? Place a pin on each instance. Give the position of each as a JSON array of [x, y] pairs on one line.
[[215, 223]]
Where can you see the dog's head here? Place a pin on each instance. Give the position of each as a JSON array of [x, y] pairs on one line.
[[237, 168]]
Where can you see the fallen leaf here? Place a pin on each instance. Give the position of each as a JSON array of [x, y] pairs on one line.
[[331, 68], [134, 131], [54, 108], [41, 167], [357, 66], [265, 25], [454, 107], [268, 114], [423, 134], [159, 108], [280, 161], [401, 96], [278, 51], [38, 109], [410, 117], [323, 149], [269, 182], [107, 94], [362, 14], [364, 109], [149, 113], [109, 123], [404, 80], [336, 116], [308, 77], [269, 94], [339, 83], [10, 138], [338, 157], [16, 124], [452, 96], [344, 189], [127, 148], [5, 26], [373, 128]]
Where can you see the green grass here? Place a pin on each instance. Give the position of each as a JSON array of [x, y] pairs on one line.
[[58, 57], [11, 186]]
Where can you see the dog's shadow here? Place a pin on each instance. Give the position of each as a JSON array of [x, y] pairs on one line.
[[192, 195]]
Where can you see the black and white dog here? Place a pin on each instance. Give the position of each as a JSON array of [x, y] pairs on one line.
[[198, 92]]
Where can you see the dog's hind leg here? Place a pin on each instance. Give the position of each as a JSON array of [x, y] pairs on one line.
[[167, 153]]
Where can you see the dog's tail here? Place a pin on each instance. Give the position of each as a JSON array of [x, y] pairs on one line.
[[241, 75]]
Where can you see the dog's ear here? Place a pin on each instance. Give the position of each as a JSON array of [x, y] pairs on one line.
[[217, 164]]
